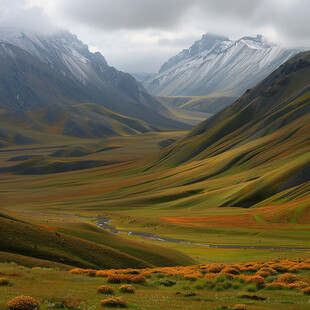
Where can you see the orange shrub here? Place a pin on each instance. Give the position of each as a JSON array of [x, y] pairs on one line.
[[269, 270], [131, 271], [239, 307], [114, 302], [216, 268], [118, 278], [105, 289], [23, 303], [78, 271], [103, 273], [280, 267], [298, 285], [138, 279], [92, 273], [210, 275], [256, 279], [276, 284], [304, 266], [230, 270], [236, 266], [4, 282], [263, 274], [306, 290], [287, 278], [127, 288], [306, 280], [193, 276]]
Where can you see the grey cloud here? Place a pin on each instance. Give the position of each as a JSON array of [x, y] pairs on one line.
[[130, 14], [234, 9], [13, 13], [129, 31], [178, 42], [289, 18]]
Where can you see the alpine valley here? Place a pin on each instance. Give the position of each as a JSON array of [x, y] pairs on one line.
[[198, 198]]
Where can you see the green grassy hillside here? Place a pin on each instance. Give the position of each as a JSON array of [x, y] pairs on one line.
[[81, 245]]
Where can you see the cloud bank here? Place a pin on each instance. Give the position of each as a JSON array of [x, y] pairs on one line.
[[139, 35]]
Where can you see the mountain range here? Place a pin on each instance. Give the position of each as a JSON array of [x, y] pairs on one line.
[[218, 67], [45, 71]]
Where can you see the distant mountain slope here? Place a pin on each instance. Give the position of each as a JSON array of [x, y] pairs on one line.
[[37, 71], [80, 120], [218, 66], [262, 139], [206, 104], [279, 100]]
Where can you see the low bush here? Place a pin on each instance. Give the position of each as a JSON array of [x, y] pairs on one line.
[[77, 271], [306, 290], [118, 278], [280, 267], [92, 273], [117, 302], [137, 279], [230, 270], [298, 285], [127, 288], [287, 278], [23, 303], [215, 268], [256, 279], [210, 275], [103, 273], [240, 307], [105, 289]]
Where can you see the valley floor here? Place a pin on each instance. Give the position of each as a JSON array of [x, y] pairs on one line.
[[259, 286], [140, 199]]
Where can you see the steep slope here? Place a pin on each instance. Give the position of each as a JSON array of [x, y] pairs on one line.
[[37, 71], [266, 131], [279, 100], [218, 66]]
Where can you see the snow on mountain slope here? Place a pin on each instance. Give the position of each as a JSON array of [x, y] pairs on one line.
[[62, 51], [218, 66], [40, 70]]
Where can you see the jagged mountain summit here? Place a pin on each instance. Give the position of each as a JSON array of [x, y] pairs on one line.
[[219, 67], [37, 71]]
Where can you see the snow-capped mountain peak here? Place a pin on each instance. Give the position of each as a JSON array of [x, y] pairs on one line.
[[62, 51], [218, 66]]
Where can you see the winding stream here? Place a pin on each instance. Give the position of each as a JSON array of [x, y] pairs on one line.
[[102, 222]]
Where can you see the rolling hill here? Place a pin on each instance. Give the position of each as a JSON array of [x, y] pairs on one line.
[[82, 245]]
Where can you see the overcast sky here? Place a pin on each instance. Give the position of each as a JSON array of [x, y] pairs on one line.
[[139, 35]]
